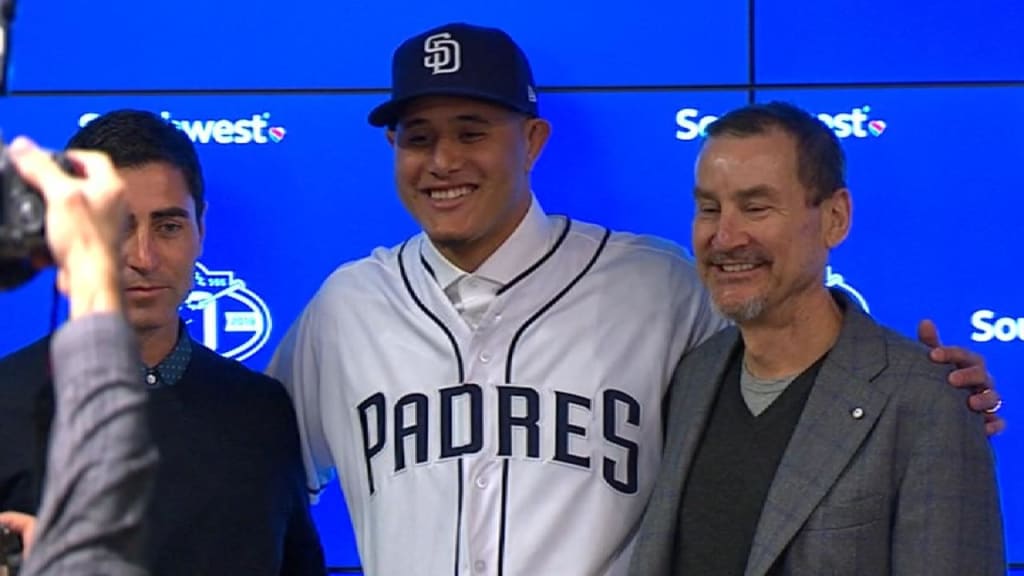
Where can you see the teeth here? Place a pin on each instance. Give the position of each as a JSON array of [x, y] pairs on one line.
[[450, 193], [737, 267]]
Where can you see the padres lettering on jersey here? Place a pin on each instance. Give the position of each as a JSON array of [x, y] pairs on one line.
[[406, 426], [526, 446]]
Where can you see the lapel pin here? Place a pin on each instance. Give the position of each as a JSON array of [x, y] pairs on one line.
[[857, 413]]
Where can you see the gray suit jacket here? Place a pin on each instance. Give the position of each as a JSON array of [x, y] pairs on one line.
[[887, 471], [101, 461]]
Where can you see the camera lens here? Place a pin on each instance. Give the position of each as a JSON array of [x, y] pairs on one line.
[[31, 212]]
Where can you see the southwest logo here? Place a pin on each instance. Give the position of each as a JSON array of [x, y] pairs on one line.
[[691, 124], [251, 130], [990, 326]]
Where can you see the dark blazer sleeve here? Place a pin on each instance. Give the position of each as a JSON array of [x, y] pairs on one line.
[[303, 551], [26, 410], [101, 459]]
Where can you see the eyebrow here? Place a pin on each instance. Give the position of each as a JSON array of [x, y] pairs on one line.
[[745, 194], [757, 192], [462, 118], [173, 212], [473, 119], [699, 192], [411, 123]]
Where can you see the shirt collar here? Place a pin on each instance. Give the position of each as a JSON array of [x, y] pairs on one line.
[[170, 370], [527, 243]]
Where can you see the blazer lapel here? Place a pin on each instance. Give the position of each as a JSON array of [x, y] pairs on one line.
[[693, 391], [693, 395], [840, 412]]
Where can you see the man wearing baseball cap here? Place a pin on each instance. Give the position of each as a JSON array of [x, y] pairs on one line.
[[489, 391]]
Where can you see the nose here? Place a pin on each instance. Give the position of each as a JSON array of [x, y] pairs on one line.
[[140, 251], [446, 157], [730, 231]]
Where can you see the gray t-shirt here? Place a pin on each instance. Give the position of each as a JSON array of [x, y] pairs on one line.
[[759, 393]]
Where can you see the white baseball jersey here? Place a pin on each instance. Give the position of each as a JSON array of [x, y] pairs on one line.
[[526, 446]]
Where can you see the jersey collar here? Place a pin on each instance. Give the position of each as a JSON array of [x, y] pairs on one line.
[[531, 240]]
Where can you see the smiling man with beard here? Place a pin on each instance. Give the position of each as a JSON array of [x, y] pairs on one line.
[[808, 439]]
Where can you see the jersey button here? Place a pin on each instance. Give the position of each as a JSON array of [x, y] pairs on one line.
[[481, 482], [485, 357], [480, 566]]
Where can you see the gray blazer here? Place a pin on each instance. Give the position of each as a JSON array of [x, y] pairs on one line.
[[887, 471], [101, 462]]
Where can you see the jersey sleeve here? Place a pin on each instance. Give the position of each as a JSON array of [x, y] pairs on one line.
[[297, 363]]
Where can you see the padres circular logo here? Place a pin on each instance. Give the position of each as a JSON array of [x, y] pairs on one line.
[[833, 280], [225, 315]]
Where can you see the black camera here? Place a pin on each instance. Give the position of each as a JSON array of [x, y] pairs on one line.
[[23, 250], [10, 552]]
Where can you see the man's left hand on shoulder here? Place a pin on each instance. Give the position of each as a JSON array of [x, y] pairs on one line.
[[970, 373]]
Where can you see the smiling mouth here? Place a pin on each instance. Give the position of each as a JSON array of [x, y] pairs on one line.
[[733, 268], [453, 193]]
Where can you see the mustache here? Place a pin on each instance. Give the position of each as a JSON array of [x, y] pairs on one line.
[[737, 256]]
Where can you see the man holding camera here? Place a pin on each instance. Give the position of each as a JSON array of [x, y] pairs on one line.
[[93, 506], [226, 435]]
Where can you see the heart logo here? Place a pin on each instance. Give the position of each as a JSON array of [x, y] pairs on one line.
[[277, 133], [876, 127]]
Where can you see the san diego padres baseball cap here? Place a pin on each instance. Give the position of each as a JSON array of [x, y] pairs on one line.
[[459, 59]]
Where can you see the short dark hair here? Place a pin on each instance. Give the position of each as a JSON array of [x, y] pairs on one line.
[[821, 163], [135, 137]]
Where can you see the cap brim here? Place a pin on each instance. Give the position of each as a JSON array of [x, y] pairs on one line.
[[388, 113]]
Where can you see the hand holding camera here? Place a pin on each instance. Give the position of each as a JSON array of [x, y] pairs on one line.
[[23, 250], [11, 549], [77, 225]]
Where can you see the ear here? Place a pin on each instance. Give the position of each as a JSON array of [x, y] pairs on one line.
[[837, 217], [536, 131], [390, 134]]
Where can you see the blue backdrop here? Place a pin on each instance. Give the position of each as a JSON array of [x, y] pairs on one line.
[[926, 98]]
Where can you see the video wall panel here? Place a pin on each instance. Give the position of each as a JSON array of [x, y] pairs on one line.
[[276, 96], [162, 45]]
